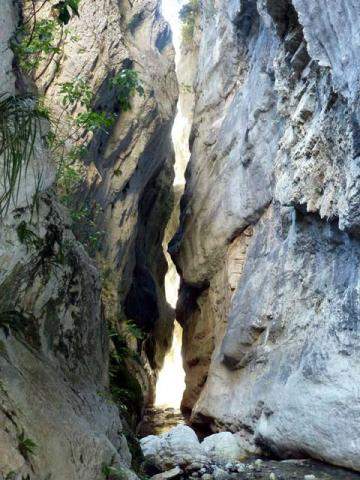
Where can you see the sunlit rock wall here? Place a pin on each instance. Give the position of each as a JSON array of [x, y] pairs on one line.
[[272, 192]]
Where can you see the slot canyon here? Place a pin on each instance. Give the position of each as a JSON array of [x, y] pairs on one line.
[[179, 239]]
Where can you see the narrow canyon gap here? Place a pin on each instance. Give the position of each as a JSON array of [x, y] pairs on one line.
[[171, 382]]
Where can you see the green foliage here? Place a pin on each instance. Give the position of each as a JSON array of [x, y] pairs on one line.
[[76, 91], [114, 473], [65, 9], [128, 399], [184, 88], [11, 320], [85, 226], [127, 83], [21, 119], [28, 237], [41, 247], [70, 172], [92, 121], [134, 330], [188, 15], [14, 476], [26, 446], [137, 457], [35, 43], [122, 351], [69, 178], [125, 389]]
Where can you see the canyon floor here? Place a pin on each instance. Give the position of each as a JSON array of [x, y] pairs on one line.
[[159, 421]]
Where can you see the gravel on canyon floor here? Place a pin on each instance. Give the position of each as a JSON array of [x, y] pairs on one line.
[[259, 469]]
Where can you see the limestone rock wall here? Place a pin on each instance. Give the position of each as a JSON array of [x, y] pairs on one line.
[[57, 415], [268, 241], [130, 167], [54, 346]]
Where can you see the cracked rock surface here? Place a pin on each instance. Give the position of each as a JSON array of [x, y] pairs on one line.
[[268, 246]]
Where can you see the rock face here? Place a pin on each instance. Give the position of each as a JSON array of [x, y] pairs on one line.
[[57, 416], [53, 363], [268, 245], [129, 169]]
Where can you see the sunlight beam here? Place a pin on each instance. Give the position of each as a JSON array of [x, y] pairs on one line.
[[171, 382]]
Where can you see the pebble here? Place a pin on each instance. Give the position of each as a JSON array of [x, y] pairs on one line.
[[309, 477], [258, 464], [194, 466], [202, 470], [240, 468], [272, 476], [220, 474], [168, 475], [207, 476]]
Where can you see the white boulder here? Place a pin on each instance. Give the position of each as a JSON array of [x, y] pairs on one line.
[[181, 447], [223, 447], [178, 447]]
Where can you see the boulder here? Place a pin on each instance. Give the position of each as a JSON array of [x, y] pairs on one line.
[[181, 447], [178, 447], [223, 447]]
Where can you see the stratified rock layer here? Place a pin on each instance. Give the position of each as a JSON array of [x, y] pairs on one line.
[[268, 245]]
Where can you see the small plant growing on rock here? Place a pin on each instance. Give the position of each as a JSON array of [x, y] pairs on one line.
[[11, 320], [80, 92], [134, 330], [113, 473], [28, 237], [38, 41], [127, 83], [92, 121], [35, 43], [27, 447], [76, 91], [188, 15], [65, 9]]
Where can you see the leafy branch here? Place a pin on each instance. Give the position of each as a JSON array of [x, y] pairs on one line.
[[66, 9], [127, 83]]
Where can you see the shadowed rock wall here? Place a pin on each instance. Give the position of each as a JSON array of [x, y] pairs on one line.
[[54, 312]]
